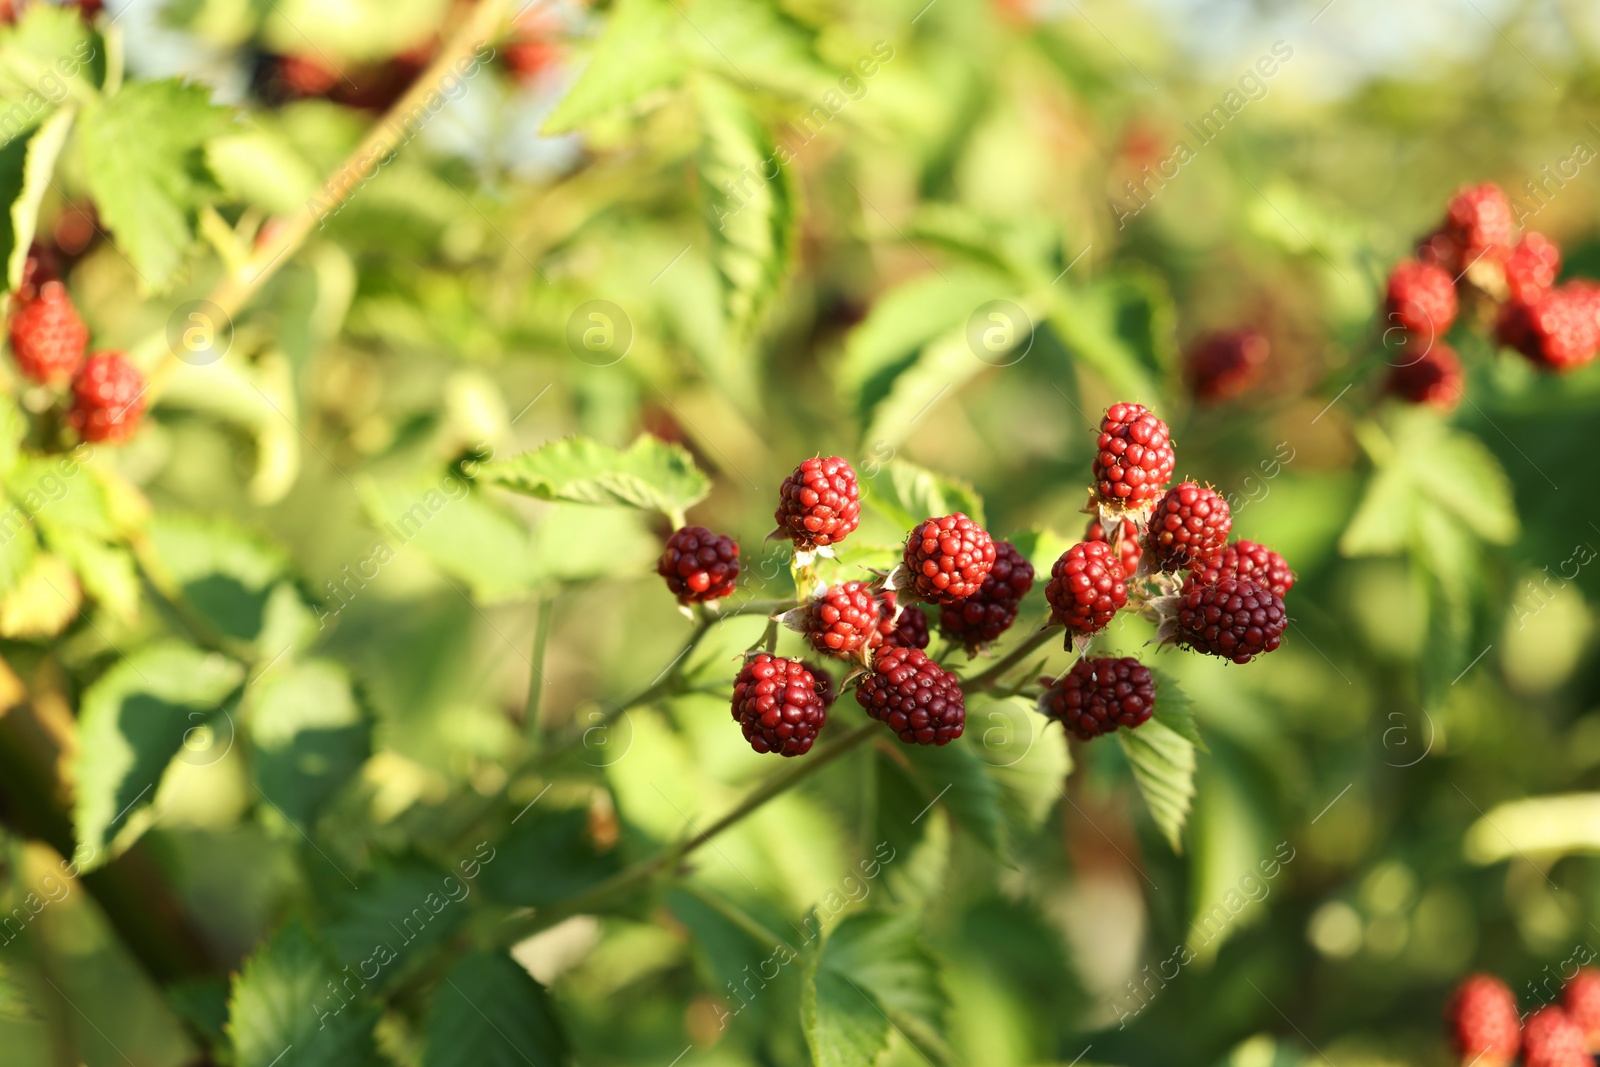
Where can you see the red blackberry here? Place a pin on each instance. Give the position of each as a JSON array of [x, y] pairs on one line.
[[914, 696], [1434, 378], [1482, 1020], [989, 612], [1222, 366], [824, 680], [699, 565], [48, 337], [908, 630], [1439, 249], [1581, 999], [1254, 563], [1235, 619], [778, 704], [1134, 456], [1532, 268], [1552, 1039], [819, 504], [1190, 524], [948, 558], [1086, 588], [1480, 222], [107, 398], [1560, 332], [844, 619], [1127, 545], [1421, 299], [1098, 695]]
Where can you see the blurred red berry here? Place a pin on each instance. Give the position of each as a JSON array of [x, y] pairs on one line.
[[1223, 366], [1560, 332], [1552, 1039], [1421, 299], [1483, 1022], [1532, 268], [107, 398], [1480, 221], [1434, 378], [48, 337]]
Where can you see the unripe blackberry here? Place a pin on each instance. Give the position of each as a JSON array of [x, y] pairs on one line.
[[1482, 1021], [914, 696], [947, 559], [1098, 695], [1480, 221], [907, 629], [1086, 588], [778, 705], [844, 619], [1421, 299], [1552, 1039], [48, 337], [1235, 619], [819, 504], [1222, 366], [699, 565], [1127, 545], [1434, 378], [1560, 332], [1134, 456], [1581, 999], [1189, 525], [1532, 268], [107, 398], [989, 612], [1253, 562]]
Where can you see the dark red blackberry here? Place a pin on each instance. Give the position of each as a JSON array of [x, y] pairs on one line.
[[819, 504], [908, 629], [48, 337], [1235, 619], [778, 705], [1483, 1023], [1189, 525], [1421, 299], [1134, 456], [1434, 378], [1098, 695], [1222, 366], [824, 680], [1560, 332], [1086, 588], [1127, 545], [947, 559], [844, 619], [1532, 268], [107, 398], [914, 696], [1254, 563], [699, 565], [988, 613]]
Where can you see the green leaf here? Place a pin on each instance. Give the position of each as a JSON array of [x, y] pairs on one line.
[[61, 499], [872, 972], [959, 781], [260, 167], [549, 855], [14, 1004], [108, 573], [26, 169], [1163, 764], [1459, 473], [1548, 827], [1383, 520], [284, 1002], [749, 202], [1123, 327], [906, 494], [633, 60], [309, 736], [1175, 710], [491, 1013], [758, 41], [651, 474], [132, 721], [144, 162], [400, 915], [48, 55], [1026, 759], [19, 544]]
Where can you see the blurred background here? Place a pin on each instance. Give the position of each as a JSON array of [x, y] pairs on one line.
[[764, 230]]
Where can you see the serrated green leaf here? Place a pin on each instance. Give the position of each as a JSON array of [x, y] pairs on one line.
[[758, 41], [24, 190], [1122, 327], [749, 202], [1175, 710], [549, 855], [491, 1013], [309, 736], [872, 971], [61, 498], [47, 56], [906, 494], [402, 912], [1027, 760], [651, 474], [144, 162], [635, 58], [958, 780], [284, 1001], [1163, 763], [1459, 473], [1383, 520], [132, 721], [108, 573]]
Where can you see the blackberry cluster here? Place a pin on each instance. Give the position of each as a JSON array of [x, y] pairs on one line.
[[1484, 1026], [988, 613]]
